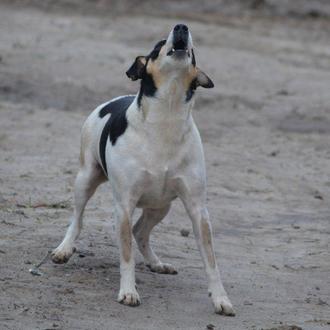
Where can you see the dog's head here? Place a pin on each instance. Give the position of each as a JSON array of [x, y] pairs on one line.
[[172, 59]]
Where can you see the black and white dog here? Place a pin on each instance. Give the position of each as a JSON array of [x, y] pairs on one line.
[[148, 147]]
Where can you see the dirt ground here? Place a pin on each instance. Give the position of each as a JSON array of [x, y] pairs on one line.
[[266, 133]]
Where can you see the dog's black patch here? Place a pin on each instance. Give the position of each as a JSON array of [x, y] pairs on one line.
[[155, 52], [193, 60], [116, 124], [148, 87], [191, 90]]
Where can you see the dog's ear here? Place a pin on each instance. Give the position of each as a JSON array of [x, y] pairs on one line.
[[136, 69], [203, 80]]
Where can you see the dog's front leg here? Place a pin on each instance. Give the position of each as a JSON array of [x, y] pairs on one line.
[[203, 233], [127, 293]]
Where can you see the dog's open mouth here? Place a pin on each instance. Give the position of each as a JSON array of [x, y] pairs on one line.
[[179, 49]]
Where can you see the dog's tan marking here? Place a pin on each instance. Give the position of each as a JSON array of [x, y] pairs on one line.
[[126, 239], [207, 242], [201, 78], [189, 77], [153, 70], [159, 78]]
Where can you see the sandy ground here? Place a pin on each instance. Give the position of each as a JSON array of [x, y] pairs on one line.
[[265, 129]]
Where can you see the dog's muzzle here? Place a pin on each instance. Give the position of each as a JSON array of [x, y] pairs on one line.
[[180, 41]]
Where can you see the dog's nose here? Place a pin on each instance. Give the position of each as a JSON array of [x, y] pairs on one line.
[[181, 28]]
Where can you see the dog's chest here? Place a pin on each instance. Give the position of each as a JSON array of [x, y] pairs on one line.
[[152, 155], [158, 187]]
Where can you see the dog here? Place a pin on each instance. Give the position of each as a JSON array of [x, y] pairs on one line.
[[149, 148]]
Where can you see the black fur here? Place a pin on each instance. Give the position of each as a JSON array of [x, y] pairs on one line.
[[148, 87], [116, 124], [193, 60], [191, 90], [155, 52], [136, 69]]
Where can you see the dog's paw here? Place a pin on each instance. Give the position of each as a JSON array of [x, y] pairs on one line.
[[222, 305], [163, 269], [62, 256], [129, 298]]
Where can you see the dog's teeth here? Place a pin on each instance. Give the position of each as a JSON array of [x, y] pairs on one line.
[[173, 50]]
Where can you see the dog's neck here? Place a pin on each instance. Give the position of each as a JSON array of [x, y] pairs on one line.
[[166, 116], [169, 102]]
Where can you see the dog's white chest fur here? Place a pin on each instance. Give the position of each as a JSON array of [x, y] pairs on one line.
[[158, 188], [154, 154]]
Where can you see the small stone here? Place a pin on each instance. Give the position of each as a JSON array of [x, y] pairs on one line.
[[248, 303], [184, 232], [274, 153], [68, 291], [283, 92], [210, 326], [317, 195]]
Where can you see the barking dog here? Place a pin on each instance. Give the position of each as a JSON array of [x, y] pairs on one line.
[[149, 148]]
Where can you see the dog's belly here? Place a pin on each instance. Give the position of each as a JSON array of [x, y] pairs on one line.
[[158, 190]]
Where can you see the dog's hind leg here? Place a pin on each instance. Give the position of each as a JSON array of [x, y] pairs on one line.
[[89, 177], [142, 229]]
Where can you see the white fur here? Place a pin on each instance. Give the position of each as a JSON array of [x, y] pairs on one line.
[[157, 159]]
